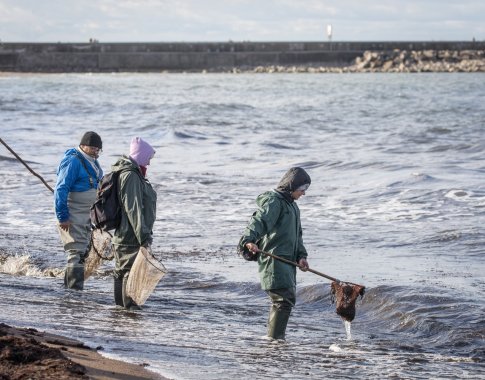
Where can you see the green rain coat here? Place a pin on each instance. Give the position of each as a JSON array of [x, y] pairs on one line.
[[138, 201], [275, 227]]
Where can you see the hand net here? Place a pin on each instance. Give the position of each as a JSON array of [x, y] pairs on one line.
[[99, 249], [144, 276]]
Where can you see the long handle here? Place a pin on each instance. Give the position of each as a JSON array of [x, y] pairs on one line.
[[296, 265], [25, 164]]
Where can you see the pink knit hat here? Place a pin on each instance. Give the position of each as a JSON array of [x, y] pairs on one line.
[[140, 151]]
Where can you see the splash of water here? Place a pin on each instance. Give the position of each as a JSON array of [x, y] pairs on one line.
[[348, 325], [335, 348], [23, 266], [20, 265]]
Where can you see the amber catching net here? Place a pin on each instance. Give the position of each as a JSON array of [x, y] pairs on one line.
[[345, 294], [144, 276], [99, 249]]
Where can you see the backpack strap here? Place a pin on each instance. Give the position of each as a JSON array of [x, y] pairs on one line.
[[91, 182], [125, 170]]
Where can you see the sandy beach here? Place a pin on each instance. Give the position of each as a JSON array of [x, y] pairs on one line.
[[26, 353]]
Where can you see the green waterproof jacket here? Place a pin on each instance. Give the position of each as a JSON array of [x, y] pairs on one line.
[[138, 207], [275, 227]]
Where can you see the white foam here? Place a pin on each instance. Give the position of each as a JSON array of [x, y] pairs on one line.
[[335, 348], [20, 266]]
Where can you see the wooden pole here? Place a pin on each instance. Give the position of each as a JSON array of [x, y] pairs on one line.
[[27, 166], [296, 265]]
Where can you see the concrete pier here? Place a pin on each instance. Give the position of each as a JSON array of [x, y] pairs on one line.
[[197, 56]]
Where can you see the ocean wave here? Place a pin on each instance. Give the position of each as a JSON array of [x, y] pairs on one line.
[[9, 159], [278, 146], [189, 135], [204, 107], [413, 179], [24, 265], [432, 315], [314, 164]]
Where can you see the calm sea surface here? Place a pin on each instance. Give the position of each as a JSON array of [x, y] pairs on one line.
[[397, 203]]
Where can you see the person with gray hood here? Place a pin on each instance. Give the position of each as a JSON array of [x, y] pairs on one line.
[[275, 228], [138, 202]]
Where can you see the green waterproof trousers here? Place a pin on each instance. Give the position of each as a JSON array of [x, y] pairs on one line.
[[124, 260], [283, 301]]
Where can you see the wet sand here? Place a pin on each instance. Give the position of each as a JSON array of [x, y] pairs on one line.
[[32, 354]]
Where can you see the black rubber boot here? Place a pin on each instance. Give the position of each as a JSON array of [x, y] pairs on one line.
[[74, 277], [278, 320], [118, 291], [128, 303]]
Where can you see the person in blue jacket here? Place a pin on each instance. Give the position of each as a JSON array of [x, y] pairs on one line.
[[78, 176]]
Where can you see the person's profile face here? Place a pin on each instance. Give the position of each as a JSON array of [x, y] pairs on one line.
[[297, 194]]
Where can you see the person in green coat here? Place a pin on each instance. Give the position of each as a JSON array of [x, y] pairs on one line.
[[138, 202], [275, 228]]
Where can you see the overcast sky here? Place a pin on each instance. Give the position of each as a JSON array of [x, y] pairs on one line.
[[240, 20]]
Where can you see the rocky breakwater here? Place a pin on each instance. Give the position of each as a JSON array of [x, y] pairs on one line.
[[421, 61], [396, 61]]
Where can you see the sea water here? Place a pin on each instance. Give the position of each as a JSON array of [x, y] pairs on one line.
[[397, 203]]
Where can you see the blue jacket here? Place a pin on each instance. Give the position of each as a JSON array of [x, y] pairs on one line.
[[72, 176]]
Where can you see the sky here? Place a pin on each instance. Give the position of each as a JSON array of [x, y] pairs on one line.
[[240, 20]]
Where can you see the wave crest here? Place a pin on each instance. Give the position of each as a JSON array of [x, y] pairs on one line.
[[24, 266]]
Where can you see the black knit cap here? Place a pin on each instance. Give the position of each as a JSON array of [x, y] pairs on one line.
[[92, 139]]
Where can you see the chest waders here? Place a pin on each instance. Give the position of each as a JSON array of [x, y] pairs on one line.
[[77, 238]]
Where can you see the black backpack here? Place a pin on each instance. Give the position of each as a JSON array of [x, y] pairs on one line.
[[106, 210]]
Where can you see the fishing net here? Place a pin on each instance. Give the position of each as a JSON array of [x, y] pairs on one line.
[[345, 295], [144, 276], [99, 249]]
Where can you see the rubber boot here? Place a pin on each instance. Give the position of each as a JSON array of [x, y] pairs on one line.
[[128, 303], [118, 291], [277, 321], [74, 277]]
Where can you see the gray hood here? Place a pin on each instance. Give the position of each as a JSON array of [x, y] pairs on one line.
[[292, 180]]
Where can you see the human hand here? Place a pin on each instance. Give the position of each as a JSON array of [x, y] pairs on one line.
[[303, 264], [65, 225], [253, 248]]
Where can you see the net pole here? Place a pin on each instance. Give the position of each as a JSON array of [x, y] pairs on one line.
[[25, 164], [296, 265]]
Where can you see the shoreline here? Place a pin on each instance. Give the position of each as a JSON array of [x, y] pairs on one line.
[[33, 354]]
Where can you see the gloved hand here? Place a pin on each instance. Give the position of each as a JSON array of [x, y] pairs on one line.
[[247, 254]]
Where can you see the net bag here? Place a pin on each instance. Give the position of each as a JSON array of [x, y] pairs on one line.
[[99, 249], [144, 276], [345, 295]]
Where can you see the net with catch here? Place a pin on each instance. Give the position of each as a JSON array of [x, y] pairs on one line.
[[345, 294], [99, 249]]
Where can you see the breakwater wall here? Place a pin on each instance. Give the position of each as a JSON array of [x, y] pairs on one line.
[[199, 56]]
